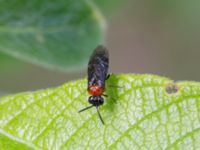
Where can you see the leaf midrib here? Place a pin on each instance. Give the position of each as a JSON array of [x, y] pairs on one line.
[[19, 30]]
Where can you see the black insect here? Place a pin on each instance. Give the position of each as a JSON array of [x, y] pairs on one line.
[[97, 74]]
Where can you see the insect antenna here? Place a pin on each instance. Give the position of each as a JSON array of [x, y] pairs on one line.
[[99, 115], [86, 108]]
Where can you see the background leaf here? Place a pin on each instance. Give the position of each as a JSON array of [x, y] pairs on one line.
[[57, 34], [109, 6], [146, 112], [7, 62]]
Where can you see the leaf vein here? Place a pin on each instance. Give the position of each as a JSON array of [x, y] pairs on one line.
[[149, 116]]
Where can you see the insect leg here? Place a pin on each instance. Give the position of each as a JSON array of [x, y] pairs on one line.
[[105, 95], [108, 76]]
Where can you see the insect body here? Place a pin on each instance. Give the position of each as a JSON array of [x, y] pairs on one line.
[[97, 74]]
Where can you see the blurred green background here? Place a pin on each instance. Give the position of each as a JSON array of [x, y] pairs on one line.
[[150, 36]]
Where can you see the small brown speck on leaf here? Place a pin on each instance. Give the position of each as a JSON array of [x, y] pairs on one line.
[[172, 88]]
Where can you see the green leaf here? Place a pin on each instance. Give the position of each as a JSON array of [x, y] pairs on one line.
[[7, 62], [110, 6], [140, 112], [56, 34]]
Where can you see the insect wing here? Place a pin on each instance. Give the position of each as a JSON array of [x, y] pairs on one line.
[[98, 66]]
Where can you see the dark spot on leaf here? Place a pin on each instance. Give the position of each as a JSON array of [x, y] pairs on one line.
[[172, 88]]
